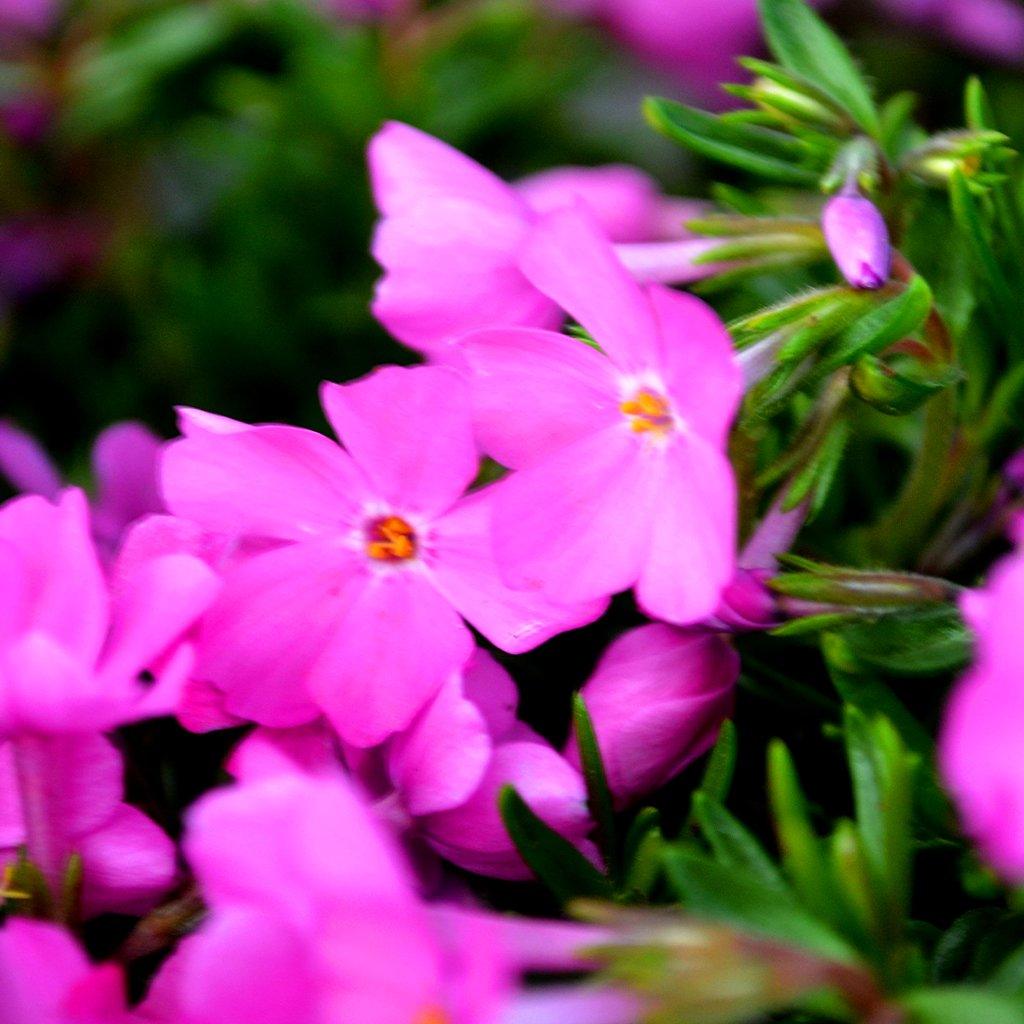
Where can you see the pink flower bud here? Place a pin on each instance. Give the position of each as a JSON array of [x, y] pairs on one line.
[[858, 240], [657, 699]]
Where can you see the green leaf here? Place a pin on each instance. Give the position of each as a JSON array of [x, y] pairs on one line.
[[599, 797], [552, 858], [740, 897], [721, 764], [923, 642], [884, 325], [757, 150], [732, 844], [642, 854], [961, 1004], [804, 44]]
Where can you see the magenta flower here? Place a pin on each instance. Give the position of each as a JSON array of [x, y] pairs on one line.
[[313, 916], [621, 477], [72, 653], [437, 782], [47, 979], [657, 699], [451, 232], [980, 744], [858, 239], [373, 557], [62, 795], [124, 461]]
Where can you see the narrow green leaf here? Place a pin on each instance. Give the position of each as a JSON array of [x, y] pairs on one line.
[[804, 44], [751, 148], [552, 858], [732, 843], [721, 764], [739, 897], [961, 1004], [599, 796]]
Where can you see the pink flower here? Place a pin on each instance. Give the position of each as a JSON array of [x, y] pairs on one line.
[[657, 699], [313, 916], [124, 460], [47, 979], [355, 610], [27, 17], [991, 28], [981, 739], [451, 232], [621, 477], [62, 795], [858, 239], [437, 782], [73, 653]]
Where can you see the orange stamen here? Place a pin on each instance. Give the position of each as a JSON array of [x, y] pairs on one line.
[[647, 411], [391, 539], [432, 1015]]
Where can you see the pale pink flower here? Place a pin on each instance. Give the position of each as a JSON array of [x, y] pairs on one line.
[[355, 611], [314, 916], [46, 978], [451, 232], [621, 475], [657, 699], [981, 740]]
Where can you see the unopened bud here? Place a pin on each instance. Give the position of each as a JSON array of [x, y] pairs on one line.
[[858, 240]]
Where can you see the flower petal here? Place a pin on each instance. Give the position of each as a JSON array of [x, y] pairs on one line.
[[570, 260], [536, 391], [409, 429], [271, 481], [462, 564]]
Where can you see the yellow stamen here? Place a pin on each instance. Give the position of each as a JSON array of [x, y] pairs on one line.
[[647, 412], [391, 539], [432, 1015], [6, 892]]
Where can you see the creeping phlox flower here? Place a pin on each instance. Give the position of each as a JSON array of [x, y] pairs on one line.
[[657, 699], [372, 556], [980, 749], [73, 655], [451, 232], [46, 978], [621, 476], [314, 918], [124, 460]]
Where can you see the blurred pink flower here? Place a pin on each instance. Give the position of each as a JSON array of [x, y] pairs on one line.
[[313, 916], [981, 740], [857, 238], [62, 795], [657, 700], [451, 232], [36, 251], [47, 979], [27, 17], [72, 652], [356, 611], [621, 476], [437, 782], [124, 464]]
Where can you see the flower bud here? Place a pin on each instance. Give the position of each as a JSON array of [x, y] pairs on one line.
[[858, 240], [657, 699]]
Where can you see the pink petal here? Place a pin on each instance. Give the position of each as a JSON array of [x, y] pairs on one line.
[[129, 863], [692, 554], [12, 827], [398, 642], [270, 625], [201, 708], [408, 166], [64, 591], [569, 259], [574, 1004], [704, 378], [535, 391], [440, 759], [25, 464], [493, 691], [265, 753], [409, 430], [462, 564], [124, 462], [623, 200], [271, 481], [451, 268], [577, 525]]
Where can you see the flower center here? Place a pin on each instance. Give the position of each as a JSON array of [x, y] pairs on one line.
[[647, 412], [390, 539]]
